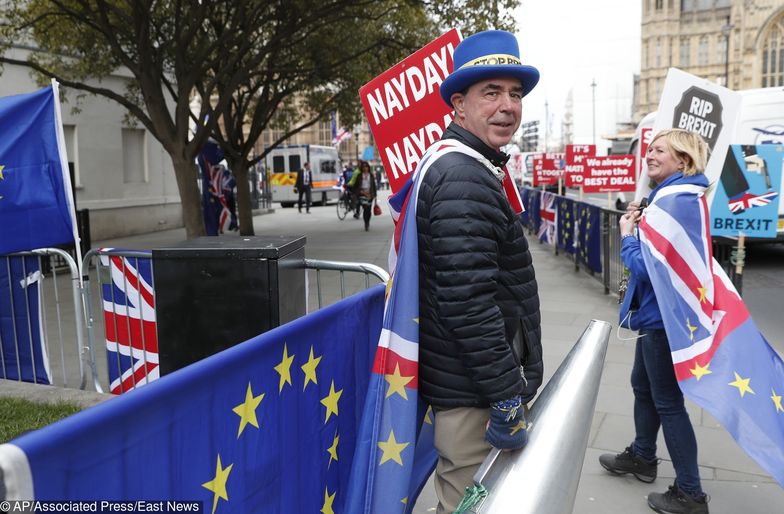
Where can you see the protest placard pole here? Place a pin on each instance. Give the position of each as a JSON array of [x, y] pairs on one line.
[[738, 259], [609, 200], [560, 186]]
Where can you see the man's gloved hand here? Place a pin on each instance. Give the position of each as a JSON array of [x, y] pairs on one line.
[[507, 427]]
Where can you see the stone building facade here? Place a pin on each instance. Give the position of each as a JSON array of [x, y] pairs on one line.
[[738, 43]]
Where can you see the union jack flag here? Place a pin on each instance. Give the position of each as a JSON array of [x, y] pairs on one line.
[[722, 362], [748, 200], [341, 135], [129, 320], [548, 219]]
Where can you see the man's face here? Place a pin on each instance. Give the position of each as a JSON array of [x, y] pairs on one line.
[[490, 110]]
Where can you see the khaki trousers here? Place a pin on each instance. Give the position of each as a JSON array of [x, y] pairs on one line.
[[460, 442]]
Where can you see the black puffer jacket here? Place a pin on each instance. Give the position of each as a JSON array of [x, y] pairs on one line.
[[478, 293]]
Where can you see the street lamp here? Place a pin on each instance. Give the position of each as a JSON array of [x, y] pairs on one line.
[[593, 105], [726, 30]]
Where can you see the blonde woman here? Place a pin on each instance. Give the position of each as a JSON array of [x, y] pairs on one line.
[[674, 157]]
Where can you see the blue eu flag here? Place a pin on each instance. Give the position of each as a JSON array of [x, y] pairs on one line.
[[35, 190]]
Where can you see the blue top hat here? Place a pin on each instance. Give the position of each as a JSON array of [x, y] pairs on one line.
[[485, 55]]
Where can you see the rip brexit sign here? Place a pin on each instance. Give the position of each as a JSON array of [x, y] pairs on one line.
[[404, 109]]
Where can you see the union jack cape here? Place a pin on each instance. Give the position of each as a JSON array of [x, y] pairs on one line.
[[722, 362], [395, 454]]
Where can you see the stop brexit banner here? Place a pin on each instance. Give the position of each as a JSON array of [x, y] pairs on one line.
[[404, 109], [574, 168], [610, 174], [548, 168]]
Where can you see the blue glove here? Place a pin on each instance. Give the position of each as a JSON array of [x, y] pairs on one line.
[[507, 427]]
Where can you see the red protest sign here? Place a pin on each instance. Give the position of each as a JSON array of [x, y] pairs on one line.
[[574, 169], [611, 174], [549, 169], [646, 135], [404, 109]]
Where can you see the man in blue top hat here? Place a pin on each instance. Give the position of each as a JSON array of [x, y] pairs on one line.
[[480, 350]]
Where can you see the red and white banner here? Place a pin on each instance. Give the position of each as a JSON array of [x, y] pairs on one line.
[[610, 174], [404, 109], [574, 169]]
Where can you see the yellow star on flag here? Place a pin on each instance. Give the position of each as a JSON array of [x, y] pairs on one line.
[[404, 501], [397, 383], [521, 425], [702, 291], [309, 368], [392, 449], [331, 401], [777, 400], [284, 368], [429, 415], [742, 384], [333, 450], [247, 410], [1, 172], [698, 371], [691, 329], [416, 320], [328, 499], [218, 484]]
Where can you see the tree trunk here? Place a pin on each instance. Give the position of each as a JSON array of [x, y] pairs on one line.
[[192, 214], [244, 211]]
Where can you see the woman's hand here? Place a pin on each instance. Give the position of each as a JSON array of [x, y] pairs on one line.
[[627, 221], [633, 206]]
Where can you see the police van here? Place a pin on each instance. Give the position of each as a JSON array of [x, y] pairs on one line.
[[760, 121], [284, 162]]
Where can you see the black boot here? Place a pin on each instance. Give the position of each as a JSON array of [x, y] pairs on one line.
[[627, 462], [678, 501]]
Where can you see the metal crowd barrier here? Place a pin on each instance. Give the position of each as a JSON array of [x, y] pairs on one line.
[[367, 270], [73, 331], [61, 345]]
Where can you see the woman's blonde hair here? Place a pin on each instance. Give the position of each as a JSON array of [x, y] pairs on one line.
[[686, 146]]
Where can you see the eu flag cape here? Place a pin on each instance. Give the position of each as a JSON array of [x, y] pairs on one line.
[[395, 452], [36, 205], [722, 362]]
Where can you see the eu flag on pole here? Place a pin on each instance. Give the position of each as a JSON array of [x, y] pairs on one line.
[[589, 236], [36, 206], [722, 362], [565, 219]]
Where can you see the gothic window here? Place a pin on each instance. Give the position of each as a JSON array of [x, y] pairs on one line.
[[658, 52], [721, 50], [685, 53], [773, 55], [702, 51]]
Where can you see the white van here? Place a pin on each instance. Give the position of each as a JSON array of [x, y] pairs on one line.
[[284, 162], [761, 121]]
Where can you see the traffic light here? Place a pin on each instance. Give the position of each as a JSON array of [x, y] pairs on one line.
[[530, 136]]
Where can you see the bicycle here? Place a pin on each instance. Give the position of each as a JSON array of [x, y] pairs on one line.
[[344, 205]]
